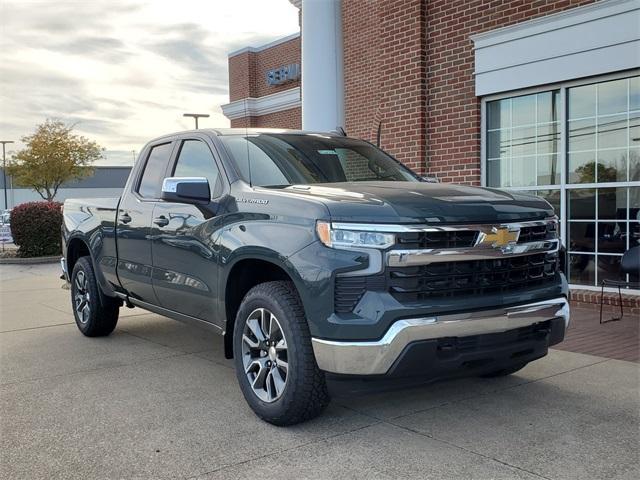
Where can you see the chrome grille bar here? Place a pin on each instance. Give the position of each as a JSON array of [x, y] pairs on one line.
[[494, 242]]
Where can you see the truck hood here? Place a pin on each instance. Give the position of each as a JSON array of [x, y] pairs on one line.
[[413, 202]]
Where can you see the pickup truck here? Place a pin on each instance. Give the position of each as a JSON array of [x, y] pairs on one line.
[[317, 257]]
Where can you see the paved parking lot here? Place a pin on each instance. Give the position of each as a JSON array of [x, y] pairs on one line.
[[157, 399]]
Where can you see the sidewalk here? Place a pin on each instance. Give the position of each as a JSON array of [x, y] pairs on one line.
[[618, 340]]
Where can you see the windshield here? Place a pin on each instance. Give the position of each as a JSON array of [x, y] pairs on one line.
[[288, 159]]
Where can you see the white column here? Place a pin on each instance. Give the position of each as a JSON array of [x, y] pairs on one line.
[[322, 71]]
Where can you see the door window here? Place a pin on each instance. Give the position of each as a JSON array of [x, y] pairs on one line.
[[153, 175], [196, 160]]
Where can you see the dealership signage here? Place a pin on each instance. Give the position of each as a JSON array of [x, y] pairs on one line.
[[283, 74], [5, 233]]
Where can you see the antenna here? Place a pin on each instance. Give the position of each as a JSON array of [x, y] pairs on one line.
[[246, 138], [379, 134]]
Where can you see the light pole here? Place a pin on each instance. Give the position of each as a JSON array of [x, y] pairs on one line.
[[4, 171], [196, 116]]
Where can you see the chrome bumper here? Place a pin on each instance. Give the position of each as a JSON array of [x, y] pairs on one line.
[[377, 357]]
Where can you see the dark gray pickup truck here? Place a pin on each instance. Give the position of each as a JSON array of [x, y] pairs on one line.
[[318, 255]]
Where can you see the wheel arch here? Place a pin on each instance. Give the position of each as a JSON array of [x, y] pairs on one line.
[[243, 275], [76, 248]]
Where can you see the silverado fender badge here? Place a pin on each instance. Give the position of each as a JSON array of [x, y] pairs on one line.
[[258, 201]]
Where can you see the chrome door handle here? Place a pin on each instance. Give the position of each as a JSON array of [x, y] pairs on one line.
[[125, 218], [161, 221]]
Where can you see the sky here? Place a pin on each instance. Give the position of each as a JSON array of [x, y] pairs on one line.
[[124, 71]]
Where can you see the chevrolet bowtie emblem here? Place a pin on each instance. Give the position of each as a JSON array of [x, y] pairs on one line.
[[500, 237]]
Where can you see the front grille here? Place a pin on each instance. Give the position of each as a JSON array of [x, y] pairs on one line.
[[493, 274], [538, 233], [471, 278], [449, 279], [467, 238], [443, 239]]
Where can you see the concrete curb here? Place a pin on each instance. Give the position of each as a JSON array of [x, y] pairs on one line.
[[29, 261]]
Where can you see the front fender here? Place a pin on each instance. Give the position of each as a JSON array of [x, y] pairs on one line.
[[269, 241]]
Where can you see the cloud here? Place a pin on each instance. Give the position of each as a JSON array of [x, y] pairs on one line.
[[125, 71]]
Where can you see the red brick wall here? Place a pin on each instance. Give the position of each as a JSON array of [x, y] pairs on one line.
[[385, 75], [291, 118], [410, 64], [248, 70]]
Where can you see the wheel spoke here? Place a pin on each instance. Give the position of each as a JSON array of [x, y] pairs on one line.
[[80, 282], [274, 327], [250, 342], [282, 364], [85, 314], [254, 326], [271, 394], [264, 355], [278, 381], [253, 366], [265, 323], [260, 378]]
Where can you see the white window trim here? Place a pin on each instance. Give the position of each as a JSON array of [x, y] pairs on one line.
[[255, 107], [562, 153]]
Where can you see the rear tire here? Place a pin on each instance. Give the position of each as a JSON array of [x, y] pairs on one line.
[[505, 371], [273, 356], [96, 314]]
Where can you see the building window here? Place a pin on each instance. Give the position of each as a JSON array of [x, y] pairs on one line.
[[577, 146]]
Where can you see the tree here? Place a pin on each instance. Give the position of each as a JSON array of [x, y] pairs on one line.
[[53, 155]]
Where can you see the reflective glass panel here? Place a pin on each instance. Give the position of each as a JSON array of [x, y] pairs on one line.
[[612, 97]]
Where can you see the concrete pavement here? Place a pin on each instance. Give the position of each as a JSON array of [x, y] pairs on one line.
[[157, 399]]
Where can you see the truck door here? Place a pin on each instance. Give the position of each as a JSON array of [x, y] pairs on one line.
[[134, 216], [185, 263]]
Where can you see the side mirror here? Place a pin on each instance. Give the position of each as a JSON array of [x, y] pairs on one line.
[[193, 190]]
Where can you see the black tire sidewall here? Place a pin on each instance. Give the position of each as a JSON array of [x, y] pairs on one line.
[[256, 299], [95, 326]]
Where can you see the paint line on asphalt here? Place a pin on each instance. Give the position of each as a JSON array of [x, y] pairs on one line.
[[94, 370], [473, 452], [278, 452], [37, 328]]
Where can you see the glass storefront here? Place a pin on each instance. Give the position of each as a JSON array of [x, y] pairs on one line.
[[579, 148]]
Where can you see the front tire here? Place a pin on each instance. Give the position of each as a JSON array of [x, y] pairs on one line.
[[96, 315], [273, 356]]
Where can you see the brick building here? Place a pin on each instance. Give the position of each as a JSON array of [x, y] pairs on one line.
[[541, 96], [263, 92]]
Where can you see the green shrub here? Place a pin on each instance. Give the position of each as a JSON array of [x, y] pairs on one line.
[[35, 227]]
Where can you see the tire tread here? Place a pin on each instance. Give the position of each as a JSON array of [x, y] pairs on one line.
[[104, 315], [311, 394]]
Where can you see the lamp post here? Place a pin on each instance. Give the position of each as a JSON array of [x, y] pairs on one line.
[[196, 116], [4, 170]]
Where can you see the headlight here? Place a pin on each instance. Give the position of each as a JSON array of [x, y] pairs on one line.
[[345, 238]]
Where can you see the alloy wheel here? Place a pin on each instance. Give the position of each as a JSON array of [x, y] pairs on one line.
[[264, 355], [82, 297]]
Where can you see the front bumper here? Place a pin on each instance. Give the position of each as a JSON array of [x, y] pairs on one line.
[[378, 357]]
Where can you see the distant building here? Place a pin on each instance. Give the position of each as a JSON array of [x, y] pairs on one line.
[[105, 182]]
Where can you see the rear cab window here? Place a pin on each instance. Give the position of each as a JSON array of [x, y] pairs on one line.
[[150, 185]]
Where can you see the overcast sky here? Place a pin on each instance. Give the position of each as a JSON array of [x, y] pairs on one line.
[[125, 70]]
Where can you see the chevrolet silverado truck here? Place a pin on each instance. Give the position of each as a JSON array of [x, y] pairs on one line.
[[316, 255]]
